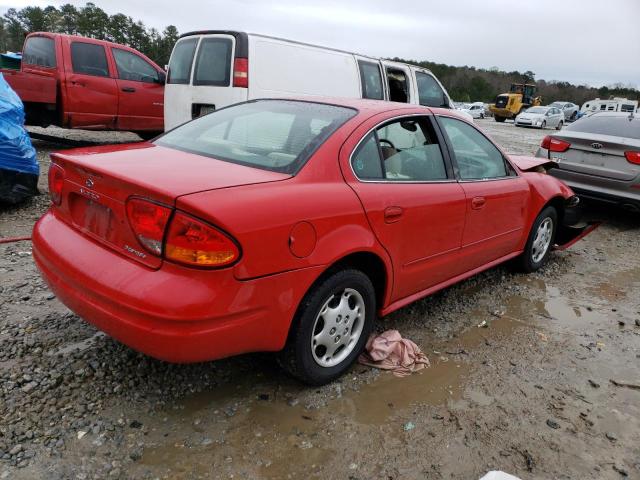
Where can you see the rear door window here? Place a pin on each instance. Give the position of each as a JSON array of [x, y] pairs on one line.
[[89, 59], [430, 93], [398, 85], [133, 67], [213, 64], [39, 51], [181, 61], [371, 80]]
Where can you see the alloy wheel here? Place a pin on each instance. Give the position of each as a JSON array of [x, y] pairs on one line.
[[338, 327], [542, 240]]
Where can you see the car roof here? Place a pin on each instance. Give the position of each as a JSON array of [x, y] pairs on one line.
[[616, 114]]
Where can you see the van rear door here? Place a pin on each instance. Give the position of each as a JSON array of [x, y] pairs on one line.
[[201, 76]]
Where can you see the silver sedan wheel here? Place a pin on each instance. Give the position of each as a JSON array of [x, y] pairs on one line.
[[542, 240], [337, 328]]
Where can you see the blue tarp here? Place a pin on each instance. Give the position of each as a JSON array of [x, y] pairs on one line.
[[16, 152]]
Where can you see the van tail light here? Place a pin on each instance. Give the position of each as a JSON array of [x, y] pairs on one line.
[[241, 72], [632, 157], [554, 144], [148, 221], [195, 243], [56, 182]]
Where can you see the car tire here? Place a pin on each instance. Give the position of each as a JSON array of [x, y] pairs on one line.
[[544, 125], [482, 116], [540, 241], [340, 294], [573, 116], [560, 124]]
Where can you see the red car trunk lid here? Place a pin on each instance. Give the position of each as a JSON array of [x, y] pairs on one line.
[[99, 180]]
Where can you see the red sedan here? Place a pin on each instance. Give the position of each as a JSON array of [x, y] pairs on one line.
[[287, 225]]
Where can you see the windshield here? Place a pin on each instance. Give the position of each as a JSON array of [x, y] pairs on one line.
[[276, 135], [617, 126], [542, 110]]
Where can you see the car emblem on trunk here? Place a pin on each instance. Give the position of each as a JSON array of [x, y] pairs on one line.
[[89, 183], [596, 145]]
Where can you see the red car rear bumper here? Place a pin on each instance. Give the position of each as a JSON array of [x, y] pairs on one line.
[[175, 313]]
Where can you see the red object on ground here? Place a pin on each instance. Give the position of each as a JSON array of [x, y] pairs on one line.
[[14, 239], [78, 82], [287, 230]]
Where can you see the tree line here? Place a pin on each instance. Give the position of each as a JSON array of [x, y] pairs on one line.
[[470, 84], [88, 21], [463, 83]]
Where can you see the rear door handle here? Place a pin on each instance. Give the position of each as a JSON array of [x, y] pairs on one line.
[[128, 89], [392, 214], [478, 202]]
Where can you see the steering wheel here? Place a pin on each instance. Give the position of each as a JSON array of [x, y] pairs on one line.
[[381, 140]]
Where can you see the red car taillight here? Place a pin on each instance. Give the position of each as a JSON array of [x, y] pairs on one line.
[[554, 145], [632, 157], [56, 182], [241, 73], [148, 221], [195, 243]]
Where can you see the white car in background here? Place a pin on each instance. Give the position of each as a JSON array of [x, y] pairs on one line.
[[569, 109], [541, 117], [476, 110]]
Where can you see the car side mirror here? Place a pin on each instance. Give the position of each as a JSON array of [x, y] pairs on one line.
[[162, 78]]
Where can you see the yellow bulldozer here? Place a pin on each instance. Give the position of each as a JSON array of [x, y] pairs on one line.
[[520, 97]]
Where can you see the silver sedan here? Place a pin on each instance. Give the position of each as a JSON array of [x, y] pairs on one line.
[[598, 156], [541, 117]]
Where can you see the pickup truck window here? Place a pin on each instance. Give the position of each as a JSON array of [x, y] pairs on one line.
[[133, 67], [89, 59], [39, 51], [213, 65]]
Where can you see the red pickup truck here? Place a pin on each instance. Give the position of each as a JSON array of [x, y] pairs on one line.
[[77, 82]]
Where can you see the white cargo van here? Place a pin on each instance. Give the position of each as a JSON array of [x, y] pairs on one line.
[[209, 70]]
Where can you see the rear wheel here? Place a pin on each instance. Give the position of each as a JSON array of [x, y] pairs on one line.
[[499, 119], [146, 136], [331, 327], [541, 238], [560, 124]]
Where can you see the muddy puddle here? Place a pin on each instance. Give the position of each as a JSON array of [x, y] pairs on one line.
[[272, 437]]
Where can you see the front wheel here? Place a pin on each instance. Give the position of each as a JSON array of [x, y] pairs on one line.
[[541, 238], [330, 328], [544, 125], [499, 119]]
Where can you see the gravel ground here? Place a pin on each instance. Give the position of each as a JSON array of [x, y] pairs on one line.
[[532, 393]]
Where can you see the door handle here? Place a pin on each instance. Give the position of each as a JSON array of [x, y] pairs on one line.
[[478, 202], [80, 84], [128, 89], [392, 214]]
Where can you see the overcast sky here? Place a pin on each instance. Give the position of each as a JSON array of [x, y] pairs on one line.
[[595, 42]]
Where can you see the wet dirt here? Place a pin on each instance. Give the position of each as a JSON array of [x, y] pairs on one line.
[[530, 393]]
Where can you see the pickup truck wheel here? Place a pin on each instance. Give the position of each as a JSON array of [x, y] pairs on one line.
[[331, 327], [541, 238]]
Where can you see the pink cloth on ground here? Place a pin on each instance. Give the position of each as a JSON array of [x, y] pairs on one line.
[[389, 351]]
